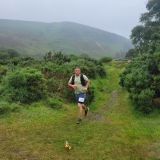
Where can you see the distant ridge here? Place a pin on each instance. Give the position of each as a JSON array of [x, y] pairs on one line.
[[37, 38]]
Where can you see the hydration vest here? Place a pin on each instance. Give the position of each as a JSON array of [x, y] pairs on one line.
[[83, 81]]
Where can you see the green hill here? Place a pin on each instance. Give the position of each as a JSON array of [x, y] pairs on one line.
[[37, 38]]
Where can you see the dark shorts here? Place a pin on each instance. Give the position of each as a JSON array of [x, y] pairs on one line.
[[80, 98]]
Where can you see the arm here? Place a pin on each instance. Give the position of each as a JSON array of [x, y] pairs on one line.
[[71, 85], [87, 85]]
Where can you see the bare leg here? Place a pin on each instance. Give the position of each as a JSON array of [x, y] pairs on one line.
[[80, 110], [84, 106]]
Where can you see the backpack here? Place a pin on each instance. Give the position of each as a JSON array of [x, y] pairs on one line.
[[83, 81]]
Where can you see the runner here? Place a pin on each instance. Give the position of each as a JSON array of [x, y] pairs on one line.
[[80, 83]]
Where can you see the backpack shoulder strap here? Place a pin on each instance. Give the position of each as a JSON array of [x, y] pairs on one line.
[[83, 81], [73, 78]]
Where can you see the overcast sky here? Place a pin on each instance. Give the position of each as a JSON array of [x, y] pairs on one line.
[[118, 16]]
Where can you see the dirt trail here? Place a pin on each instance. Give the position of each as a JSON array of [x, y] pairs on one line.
[[112, 101]]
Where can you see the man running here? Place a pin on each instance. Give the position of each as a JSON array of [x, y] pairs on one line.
[[79, 82]]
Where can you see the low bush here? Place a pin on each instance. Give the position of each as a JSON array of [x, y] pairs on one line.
[[25, 85], [54, 103], [6, 107]]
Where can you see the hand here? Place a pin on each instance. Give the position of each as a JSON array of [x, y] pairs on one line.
[[85, 89], [74, 86]]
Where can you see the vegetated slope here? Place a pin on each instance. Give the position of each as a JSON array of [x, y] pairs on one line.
[[37, 38]]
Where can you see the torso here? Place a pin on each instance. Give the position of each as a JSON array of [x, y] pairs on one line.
[[77, 82]]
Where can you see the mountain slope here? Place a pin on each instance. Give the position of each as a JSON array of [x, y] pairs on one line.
[[36, 38]]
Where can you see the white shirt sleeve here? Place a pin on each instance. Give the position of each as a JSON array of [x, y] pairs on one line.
[[85, 77], [70, 80]]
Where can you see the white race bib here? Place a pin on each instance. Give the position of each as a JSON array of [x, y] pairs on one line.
[[81, 99]]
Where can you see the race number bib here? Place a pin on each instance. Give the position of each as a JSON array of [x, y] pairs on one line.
[[81, 99]]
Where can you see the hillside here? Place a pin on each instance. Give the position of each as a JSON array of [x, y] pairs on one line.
[[112, 128], [37, 38]]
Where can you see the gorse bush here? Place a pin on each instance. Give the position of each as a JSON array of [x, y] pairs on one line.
[[6, 107], [26, 80], [3, 71], [131, 53], [54, 103], [57, 63], [90, 67], [142, 80], [7, 54], [52, 85], [105, 59], [90, 95], [25, 85], [57, 57], [142, 76]]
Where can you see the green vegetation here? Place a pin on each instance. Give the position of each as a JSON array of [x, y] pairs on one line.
[[35, 39], [37, 109], [146, 37], [55, 103], [26, 80], [24, 85], [6, 107], [106, 59], [142, 80], [7, 54], [142, 76], [112, 128]]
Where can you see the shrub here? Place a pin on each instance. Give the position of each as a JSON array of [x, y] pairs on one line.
[[131, 53], [52, 85], [7, 54], [6, 107], [145, 100], [54, 103], [25, 85], [141, 79], [90, 95], [3, 72], [101, 71], [105, 59], [57, 57], [68, 93]]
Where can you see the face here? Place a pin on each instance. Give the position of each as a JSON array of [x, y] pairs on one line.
[[77, 71]]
